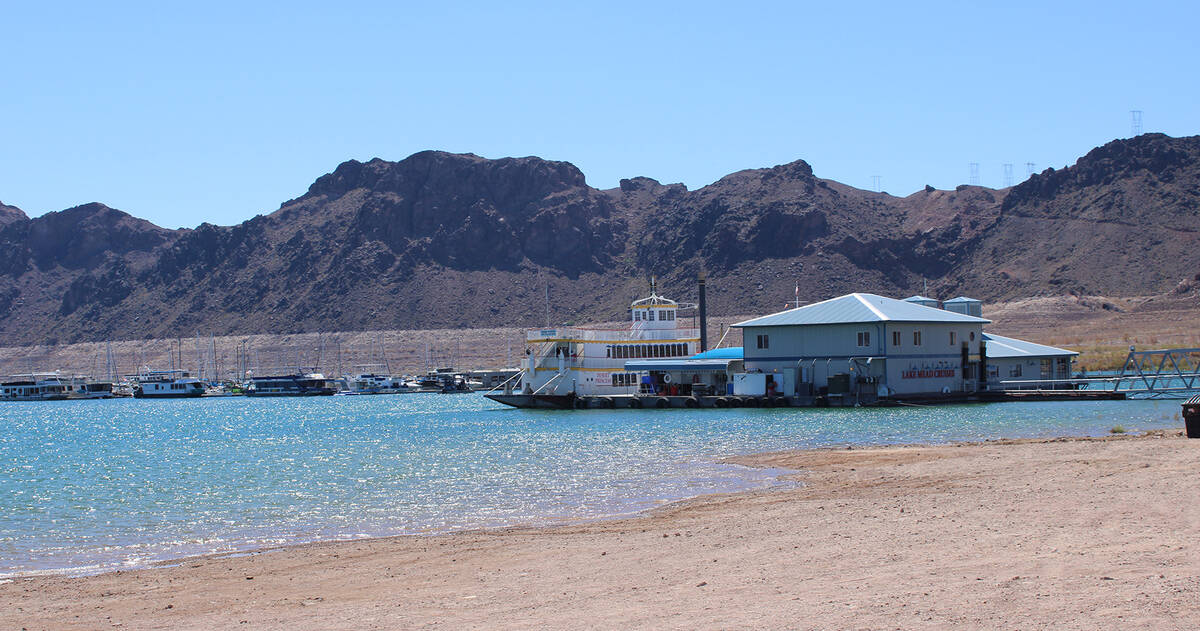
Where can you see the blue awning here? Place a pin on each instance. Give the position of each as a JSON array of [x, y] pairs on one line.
[[733, 352], [688, 365]]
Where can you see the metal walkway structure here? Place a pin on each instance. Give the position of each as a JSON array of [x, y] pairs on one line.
[[1172, 373], [1169, 373]]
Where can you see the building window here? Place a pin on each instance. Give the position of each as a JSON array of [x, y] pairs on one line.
[[972, 336], [650, 315], [953, 338], [895, 338], [864, 339], [1014, 370], [623, 379], [916, 338], [764, 341]]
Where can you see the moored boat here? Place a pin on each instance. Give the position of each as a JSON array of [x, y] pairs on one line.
[[376, 383], [566, 362], [82, 387], [167, 384], [310, 385], [35, 387]]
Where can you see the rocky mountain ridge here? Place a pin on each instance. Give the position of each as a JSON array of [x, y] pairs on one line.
[[454, 240]]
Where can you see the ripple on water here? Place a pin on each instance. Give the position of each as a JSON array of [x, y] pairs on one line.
[[89, 486]]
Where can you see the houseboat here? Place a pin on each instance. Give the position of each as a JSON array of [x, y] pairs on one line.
[[291, 386], [34, 387], [82, 387], [167, 384], [376, 383]]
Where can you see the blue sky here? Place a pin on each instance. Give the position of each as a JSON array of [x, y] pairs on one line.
[[184, 113]]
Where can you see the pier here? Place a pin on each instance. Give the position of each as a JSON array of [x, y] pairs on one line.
[[1171, 373], [651, 401]]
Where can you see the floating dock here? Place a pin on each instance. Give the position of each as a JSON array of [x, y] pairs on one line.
[[649, 401]]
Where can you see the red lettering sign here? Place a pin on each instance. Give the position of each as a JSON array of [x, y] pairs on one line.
[[944, 373]]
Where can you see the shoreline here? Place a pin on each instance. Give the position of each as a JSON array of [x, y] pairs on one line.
[[762, 461], [1079, 532]]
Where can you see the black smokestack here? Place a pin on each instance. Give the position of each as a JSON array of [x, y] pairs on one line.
[[983, 365], [703, 316]]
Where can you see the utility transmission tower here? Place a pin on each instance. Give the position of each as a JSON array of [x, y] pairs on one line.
[[1028, 170], [875, 183], [974, 181], [1008, 175], [1135, 122]]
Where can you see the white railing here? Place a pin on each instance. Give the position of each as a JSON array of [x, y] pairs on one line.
[[609, 335]]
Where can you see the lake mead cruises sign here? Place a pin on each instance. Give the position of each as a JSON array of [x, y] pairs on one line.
[[940, 370]]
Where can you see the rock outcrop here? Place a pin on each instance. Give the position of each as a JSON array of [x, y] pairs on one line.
[[441, 239]]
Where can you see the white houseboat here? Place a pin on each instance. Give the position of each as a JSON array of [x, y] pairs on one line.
[[377, 383], [167, 384], [34, 387], [563, 363], [84, 387]]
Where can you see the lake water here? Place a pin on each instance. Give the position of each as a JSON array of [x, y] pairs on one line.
[[90, 486]]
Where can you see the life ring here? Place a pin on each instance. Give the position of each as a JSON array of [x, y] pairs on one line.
[[666, 378]]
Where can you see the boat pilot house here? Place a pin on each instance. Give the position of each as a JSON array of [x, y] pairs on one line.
[[861, 347]]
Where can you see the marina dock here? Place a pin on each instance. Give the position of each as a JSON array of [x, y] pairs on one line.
[[638, 401]]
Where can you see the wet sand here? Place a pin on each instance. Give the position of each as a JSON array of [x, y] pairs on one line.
[[1062, 534]]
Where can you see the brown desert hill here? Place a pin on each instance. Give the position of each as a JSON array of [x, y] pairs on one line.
[[442, 240], [84, 259], [1122, 221], [9, 214], [759, 232]]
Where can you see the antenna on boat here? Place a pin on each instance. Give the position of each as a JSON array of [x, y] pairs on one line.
[[110, 365]]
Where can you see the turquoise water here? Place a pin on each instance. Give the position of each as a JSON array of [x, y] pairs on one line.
[[89, 486]]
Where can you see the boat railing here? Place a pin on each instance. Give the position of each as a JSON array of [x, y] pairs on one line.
[[553, 379], [609, 335], [515, 375]]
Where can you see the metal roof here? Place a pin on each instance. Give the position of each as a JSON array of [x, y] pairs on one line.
[[961, 299], [919, 298], [854, 308], [1000, 347]]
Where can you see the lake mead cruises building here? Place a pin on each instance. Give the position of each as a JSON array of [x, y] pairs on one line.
[[861, 347]]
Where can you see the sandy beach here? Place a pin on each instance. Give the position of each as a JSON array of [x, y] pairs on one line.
[[1063, 534]]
